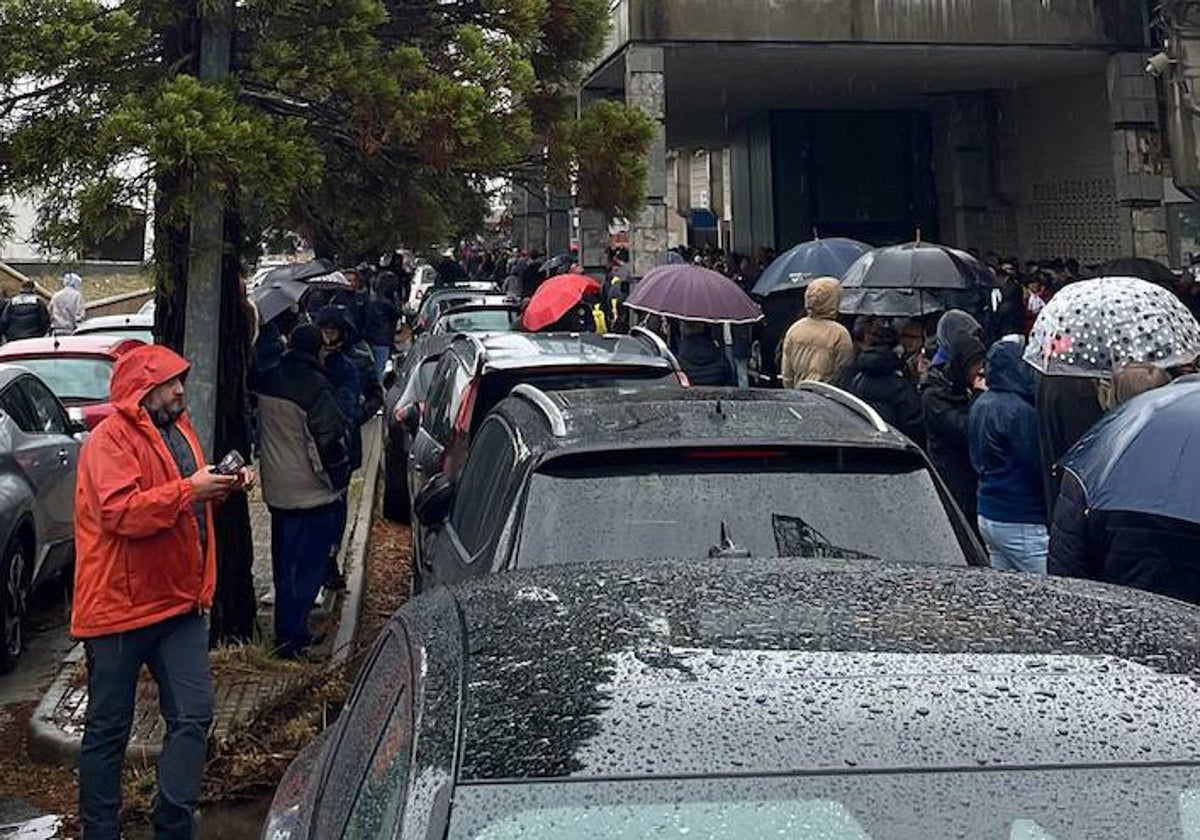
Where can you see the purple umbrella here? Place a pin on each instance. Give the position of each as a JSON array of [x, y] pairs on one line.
[[693, 293]]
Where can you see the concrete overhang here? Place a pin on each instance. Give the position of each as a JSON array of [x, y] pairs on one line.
[[711, 88]]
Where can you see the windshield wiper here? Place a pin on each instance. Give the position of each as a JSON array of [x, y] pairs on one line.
[[727, 549]]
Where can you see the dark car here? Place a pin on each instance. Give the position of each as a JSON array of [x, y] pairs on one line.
[[600, 475], [445, 298], [477, 372], [743, 699], [403, 406]]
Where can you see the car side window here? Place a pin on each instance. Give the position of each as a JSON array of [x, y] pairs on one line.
[[48, 414], [441, 423], [14, 404], [475, 518], [439, 394], [384, 691]]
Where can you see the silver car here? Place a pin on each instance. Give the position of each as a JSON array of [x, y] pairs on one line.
[[39, 454]]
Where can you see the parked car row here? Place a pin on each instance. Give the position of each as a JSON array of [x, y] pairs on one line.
[[650, 610]]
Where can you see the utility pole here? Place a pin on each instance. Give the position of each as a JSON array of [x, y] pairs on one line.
[[202, 327]]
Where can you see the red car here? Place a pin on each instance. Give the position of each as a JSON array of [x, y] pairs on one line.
[[77, 368]]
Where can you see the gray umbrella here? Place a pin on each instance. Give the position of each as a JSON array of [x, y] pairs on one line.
[[1095, 326], [277, 294]]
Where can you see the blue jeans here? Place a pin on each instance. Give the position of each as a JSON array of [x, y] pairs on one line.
[[1015, 546], [381, 353], [176, 652], [301, 541]]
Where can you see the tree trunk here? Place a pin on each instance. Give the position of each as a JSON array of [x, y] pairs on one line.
[[235, 604]]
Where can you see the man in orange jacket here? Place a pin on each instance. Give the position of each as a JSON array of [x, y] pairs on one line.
[[145, 572]]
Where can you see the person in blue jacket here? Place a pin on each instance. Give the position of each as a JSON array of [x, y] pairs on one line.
[[1002, 432]]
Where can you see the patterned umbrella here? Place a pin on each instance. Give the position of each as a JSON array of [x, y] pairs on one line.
[[693, 293], [1092, 327]]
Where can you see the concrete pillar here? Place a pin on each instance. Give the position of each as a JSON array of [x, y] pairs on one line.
[[1137, 158], [645, 89], [558, 222], [593, 225], [529, 216], [962, 151]]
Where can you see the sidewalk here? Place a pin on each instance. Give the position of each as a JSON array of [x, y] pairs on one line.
[[245, 687]]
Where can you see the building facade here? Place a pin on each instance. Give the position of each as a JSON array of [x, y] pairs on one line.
[[1022, 127]]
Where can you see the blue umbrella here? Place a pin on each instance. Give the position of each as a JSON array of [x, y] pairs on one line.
[[1142, 457], [796, 268]]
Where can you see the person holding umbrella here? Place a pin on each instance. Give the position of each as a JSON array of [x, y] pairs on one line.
[[701, 357], [817, 347], [1128, 509]]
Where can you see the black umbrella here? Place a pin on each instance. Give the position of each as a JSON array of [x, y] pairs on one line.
[[302, 272], [914, 279], [278, 291], [1141, 268]]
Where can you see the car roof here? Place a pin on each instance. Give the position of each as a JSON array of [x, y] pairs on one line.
[[681, 668], [137, 320], [520, 351], [99, 344], [618, 418]]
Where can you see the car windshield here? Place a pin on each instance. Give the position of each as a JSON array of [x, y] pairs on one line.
[[479, 320], [73, 379], [1066, 804], [823, 503], [144, 335]]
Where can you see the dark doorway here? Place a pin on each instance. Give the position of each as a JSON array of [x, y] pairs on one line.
[[863, 174]]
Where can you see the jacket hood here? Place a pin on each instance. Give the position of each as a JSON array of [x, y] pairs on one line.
[[140, 371], [965, 350], [955, 324], [822, 298], [72, 281], [1006, 372]]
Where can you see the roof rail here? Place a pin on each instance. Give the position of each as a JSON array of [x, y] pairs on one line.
[[845, 399], [538, 399], [656, 341]]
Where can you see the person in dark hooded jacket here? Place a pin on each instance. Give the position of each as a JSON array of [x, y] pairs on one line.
[[946, 396], [876, 377], [381, 318], [1003, 432], [702, 358]]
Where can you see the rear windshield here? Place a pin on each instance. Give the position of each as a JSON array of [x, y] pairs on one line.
[[480, 320], [1056, 804], [73, 380], [818, 503]]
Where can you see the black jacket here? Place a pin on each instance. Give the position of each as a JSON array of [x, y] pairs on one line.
[[704, 362], [946, 401], [1154, 553], [1067, 407], [26, 316], [382, 315], [875, 376]]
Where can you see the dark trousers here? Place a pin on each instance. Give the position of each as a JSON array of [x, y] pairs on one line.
[[301, 541], [176, 652]]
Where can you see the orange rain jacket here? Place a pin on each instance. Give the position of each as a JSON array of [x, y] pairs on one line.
[[137, 542]]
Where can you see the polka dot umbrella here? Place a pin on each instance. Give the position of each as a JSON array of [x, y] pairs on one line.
[[1092, 327]]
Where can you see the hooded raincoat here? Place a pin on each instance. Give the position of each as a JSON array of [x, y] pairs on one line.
[[817, 346], [139, 559]]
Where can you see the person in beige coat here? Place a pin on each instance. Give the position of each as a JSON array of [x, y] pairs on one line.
[[817, 346]]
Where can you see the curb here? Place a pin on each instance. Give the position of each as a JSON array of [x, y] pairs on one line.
[[355, 550], [48, 742]]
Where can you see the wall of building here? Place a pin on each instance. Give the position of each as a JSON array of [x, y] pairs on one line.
[[751, 180]]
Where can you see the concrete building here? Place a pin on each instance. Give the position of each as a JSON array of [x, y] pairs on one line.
[[1024, 127]]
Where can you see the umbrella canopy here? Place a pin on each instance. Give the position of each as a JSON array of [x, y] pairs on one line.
[[301, 271], [1144, 269], [915, 279], [1140, 458], [555, 298], [1091, 327], [693, 293], [796, 268], [274, 295]]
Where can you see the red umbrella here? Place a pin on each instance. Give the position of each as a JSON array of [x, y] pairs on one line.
[[555, 298]]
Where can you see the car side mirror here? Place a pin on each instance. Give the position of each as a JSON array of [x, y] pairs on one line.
[[432, 505]]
